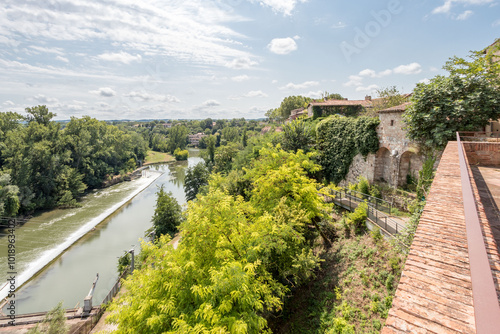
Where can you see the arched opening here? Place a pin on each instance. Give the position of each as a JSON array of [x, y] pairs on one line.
[[383, 165], [409, 165]]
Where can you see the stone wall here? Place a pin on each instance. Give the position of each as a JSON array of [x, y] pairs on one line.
[[396, 159]]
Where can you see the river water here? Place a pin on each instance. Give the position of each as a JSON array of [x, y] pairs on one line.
[[69, 276]]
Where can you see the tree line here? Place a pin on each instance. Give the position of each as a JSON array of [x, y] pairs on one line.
[[44, 165]]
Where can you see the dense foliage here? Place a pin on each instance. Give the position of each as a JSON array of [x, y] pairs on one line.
[[237, 258], [196, 178], [168, 214], [297, 135], [339, 139], [51, 166], [465, 100], [449, 104]]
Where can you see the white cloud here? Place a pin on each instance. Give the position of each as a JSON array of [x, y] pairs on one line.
[[425, 81], [8, 103], [104, 91], [44, 99], [210, 103], [240, 78], [274, 81], [496, 23], [314, 95], [354, 80], [413, 68], [57, 51], [143, 96], [372, 74], [61, 58], [281, 6], [446, 7], [370, 88], [241, 63], [122, 57], [282, 46], [303, 85], [195, 30], [256, 93], [465, 15]]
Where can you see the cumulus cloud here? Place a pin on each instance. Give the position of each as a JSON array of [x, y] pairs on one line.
[[446, 7], [240, 78], [370, 88], [104, 92], [425, 81], [282, 46], [122, 57], [314, 95], [413, 68], [303, 85], [372, 74], [281, 6], [210, 103], [143, 96], [256, 93], [241, 63], [44, 99], [8, 103], [465, 15], [354, 80]]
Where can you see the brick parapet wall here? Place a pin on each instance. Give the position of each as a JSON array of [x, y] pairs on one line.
[[435, 291], [483, 153]]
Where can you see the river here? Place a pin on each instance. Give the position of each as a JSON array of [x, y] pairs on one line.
[[69, 276]]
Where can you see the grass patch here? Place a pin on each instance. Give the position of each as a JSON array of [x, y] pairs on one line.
[[154, 157], [352, 293]]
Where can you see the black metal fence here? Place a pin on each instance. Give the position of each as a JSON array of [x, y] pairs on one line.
[[378, 210]]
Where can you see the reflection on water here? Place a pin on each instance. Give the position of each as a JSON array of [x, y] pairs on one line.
[[70, 276]]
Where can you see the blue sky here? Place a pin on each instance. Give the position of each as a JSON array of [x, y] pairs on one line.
[[129, 59]]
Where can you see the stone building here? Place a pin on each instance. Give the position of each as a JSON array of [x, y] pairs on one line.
[[397, 157]]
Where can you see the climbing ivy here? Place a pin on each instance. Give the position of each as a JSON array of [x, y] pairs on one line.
[[339, 139]]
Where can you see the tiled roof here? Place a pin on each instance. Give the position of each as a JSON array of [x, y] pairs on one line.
[[364, 103], [401, 107]]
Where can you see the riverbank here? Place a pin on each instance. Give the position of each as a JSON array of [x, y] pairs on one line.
[[49, 255], [155, 157]]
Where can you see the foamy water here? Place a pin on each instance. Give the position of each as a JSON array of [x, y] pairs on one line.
[[49, 255]]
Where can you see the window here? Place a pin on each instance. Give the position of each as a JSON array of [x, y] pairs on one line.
[[392, 122]]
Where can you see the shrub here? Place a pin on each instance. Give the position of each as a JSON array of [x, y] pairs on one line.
[[181, 154]]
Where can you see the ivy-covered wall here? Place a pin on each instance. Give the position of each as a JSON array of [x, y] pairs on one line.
[[339, 139]]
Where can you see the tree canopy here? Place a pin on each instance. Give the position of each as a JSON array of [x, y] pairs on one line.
[[237, 258], [465, 100]]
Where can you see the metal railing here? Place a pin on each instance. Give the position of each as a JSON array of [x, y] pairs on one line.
[[484, 294], [378, 210], [116, 287]]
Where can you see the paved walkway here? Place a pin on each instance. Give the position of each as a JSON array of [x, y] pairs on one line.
[[435, 291]]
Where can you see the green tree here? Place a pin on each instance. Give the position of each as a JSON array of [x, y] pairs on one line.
[[224, 156], [388, 97], [292, 102], [9, 197], [297, 135], [196, 177], [177, 138], [53, 323], [237, 259], [465, 100], [168, 213], [449, 104], [39, 114]]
